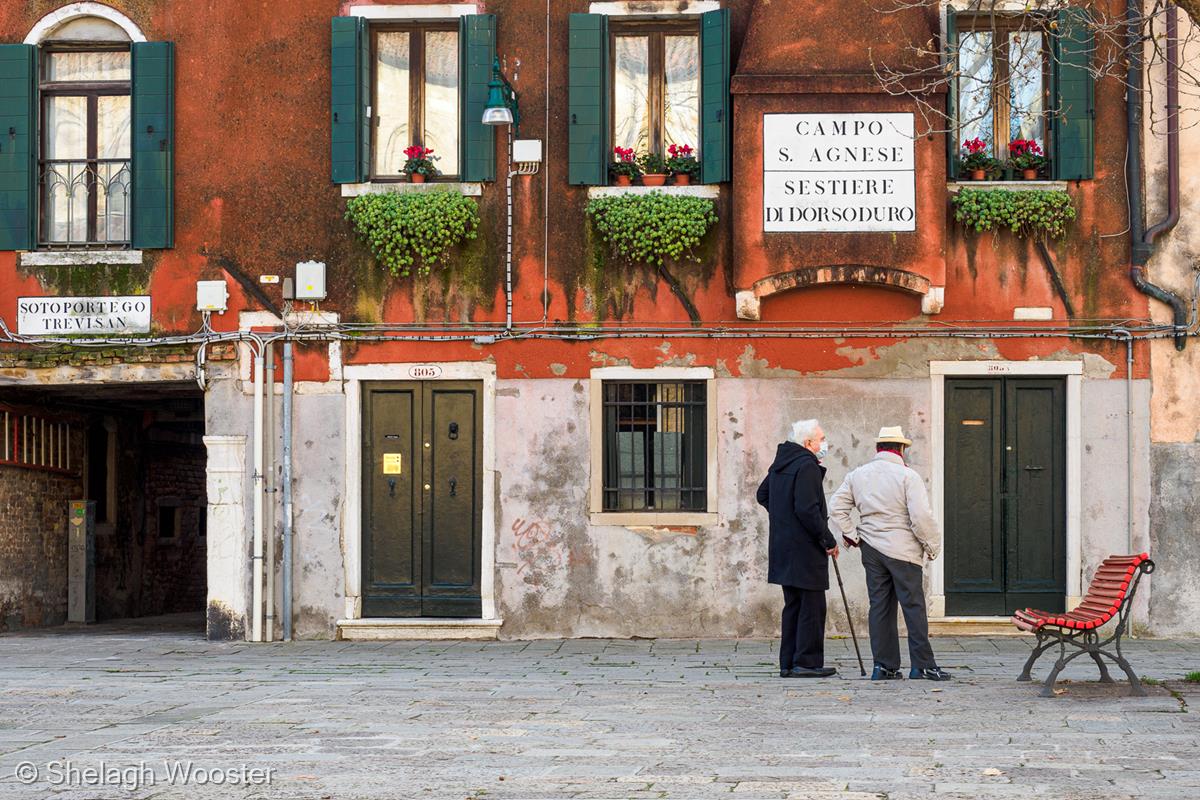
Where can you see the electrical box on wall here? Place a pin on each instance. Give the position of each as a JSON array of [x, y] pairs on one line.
[[212, 296], [527, 151], [310, 280]]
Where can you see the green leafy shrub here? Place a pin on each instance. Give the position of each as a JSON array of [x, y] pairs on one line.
[[652, 228], [1026, 213], [410, 229]]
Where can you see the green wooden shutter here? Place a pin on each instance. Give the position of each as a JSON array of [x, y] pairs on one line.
[[951, 61], [18, 146], [350, 92], [153, 196], [1073, 97], [477, 51], [715, 69], [588, 100]]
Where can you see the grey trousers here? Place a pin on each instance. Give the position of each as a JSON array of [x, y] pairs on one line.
[[890, 580]]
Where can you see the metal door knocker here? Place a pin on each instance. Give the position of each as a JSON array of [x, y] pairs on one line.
[[453, 430]]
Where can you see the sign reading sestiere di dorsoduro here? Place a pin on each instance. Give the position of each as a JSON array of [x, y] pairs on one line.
[[66, 316], [838, 172]]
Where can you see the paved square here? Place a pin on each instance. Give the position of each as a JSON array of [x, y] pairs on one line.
[[571, 719]]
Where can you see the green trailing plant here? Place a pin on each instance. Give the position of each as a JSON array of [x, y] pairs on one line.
[[652, 228], [1037, 214], [414, 229]]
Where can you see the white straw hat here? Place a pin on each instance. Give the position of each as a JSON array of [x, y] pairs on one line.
[[893, 435]]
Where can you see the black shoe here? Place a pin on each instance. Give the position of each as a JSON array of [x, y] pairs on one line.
[[885, 674], [785, 673], [929, 674], [813, 672]]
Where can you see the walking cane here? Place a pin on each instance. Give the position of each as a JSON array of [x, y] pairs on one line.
[[849, 619]]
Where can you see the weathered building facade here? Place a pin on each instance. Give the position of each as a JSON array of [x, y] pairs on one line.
[[541, 436]]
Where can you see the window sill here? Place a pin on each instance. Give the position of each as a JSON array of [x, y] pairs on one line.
[[710, 190], [403, 187], [1027, 186], [79, 258], [671, 519]]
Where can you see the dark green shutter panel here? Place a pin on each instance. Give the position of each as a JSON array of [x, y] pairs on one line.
[[477, 51], [153, 145], [715, 69], [350, 92], [18, 151], [588, 100], [952, 129], [1073, 97]]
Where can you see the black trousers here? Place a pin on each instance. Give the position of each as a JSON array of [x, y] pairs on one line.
[[802, 643], [890, 580]]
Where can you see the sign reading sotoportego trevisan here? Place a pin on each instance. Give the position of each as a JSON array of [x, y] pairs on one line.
[[838, 172], [76, 316]]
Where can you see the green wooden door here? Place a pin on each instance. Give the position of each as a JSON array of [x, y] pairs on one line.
[[422, 509], [1005, 503]]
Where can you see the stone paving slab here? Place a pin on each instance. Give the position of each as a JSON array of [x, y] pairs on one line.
[[588, 719]]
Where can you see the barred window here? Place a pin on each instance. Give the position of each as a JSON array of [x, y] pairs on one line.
[[31, 440], [655, 446]]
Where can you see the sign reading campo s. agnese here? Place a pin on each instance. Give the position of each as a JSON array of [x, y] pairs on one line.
[[838, 172]]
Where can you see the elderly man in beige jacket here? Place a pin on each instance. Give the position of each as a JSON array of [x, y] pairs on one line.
[[897, 534]]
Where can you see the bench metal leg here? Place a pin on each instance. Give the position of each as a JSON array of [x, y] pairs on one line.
[[1041, 647], [1104, 676], [1135, 686], [1059, 666]]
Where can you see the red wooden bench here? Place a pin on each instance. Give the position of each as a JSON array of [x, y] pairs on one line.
[[1109, 597]]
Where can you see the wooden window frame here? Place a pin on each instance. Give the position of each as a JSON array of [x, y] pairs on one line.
[[1000, 27], [91, 91], [657, 31], [416, 89]]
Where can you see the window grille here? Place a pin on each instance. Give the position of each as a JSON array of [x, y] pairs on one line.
[[655, 446], [32, 440]]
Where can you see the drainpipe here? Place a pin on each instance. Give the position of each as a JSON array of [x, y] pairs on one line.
[[1143, 240], [508, 243], [269, 492], [1128, 337], [256, 619], [286, 480]]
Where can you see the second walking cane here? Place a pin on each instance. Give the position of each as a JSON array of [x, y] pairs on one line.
[[849, 619]]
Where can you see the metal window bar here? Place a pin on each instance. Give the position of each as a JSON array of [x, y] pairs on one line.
[[85, 203], [654, 446], [33, 441]]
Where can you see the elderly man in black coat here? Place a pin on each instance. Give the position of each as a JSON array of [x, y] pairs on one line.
[[800, 546]]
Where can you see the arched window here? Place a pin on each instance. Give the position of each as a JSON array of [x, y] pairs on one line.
[[84, 85]]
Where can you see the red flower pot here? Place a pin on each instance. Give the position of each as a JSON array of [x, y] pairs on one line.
[[655, 179], [417, 177], [623, 180], [978, 174], [1030, 174], [682, 179]]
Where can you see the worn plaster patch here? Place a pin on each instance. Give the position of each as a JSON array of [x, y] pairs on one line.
[[751, 367], [722, 369], [605, 360], [558, 369], [513, 392], [1094, 366], [656, 534], [910, 358], [688, 360]]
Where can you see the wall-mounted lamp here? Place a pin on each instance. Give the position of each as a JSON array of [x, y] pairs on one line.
[[502, 107]]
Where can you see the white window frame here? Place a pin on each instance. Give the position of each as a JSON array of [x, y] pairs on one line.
[[596, 510], [655, 8]]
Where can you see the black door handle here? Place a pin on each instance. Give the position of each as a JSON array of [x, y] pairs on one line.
[[1032, 468], [453, 487], [391, 487]]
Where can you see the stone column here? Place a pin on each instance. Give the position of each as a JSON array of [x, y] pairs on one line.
[[228, 563]]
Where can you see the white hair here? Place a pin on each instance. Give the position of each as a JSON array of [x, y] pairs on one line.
[[803, 430]]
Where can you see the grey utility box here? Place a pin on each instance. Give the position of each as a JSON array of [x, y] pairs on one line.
[[81, 561]]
